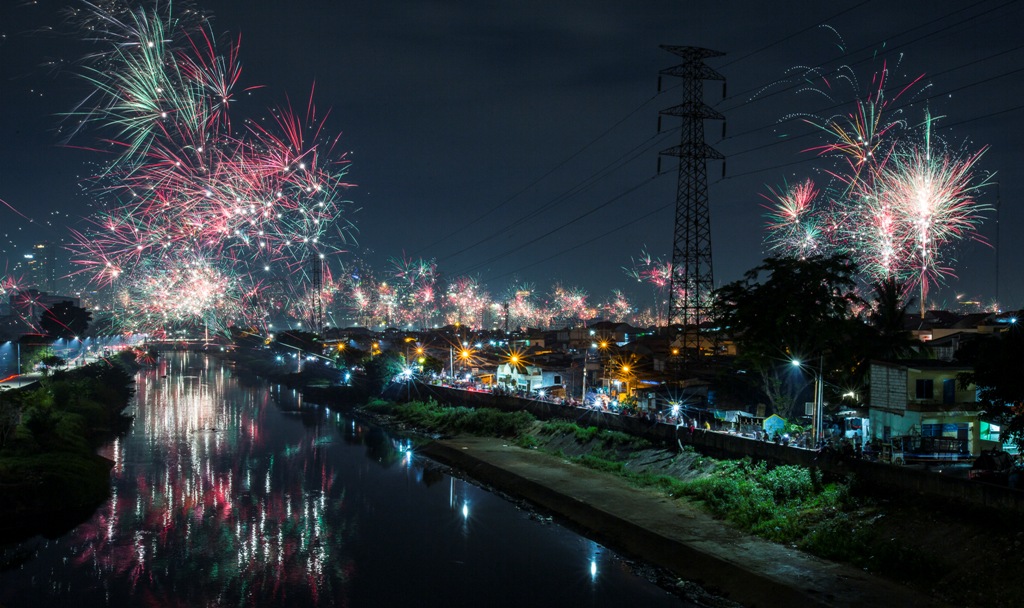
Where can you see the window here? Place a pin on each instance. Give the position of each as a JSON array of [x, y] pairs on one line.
[[925, 389], [557, 380], [989, 431]]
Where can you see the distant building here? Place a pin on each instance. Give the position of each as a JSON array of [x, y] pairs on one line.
[[41, 267]]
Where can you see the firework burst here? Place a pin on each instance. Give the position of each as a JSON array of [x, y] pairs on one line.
[[182, 188], [897, 200]]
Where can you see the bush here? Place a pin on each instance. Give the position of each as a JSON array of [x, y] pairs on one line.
[[585, 435], [431, 416]]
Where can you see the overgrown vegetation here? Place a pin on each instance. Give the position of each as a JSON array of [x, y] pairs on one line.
[[48, 436], [431, 416], [787, 504]]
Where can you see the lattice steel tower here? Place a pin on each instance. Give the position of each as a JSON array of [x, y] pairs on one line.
[[692, 276], [316, 305]]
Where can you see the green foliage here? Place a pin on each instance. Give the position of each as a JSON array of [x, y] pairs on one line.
[[33, 351], [527, 441], [48, 462], [9, 415], [598, 463], [380, 369], [890, 338], [432, 365], [438, 418], [65, 320], [779, 503], [789, 307], [53, 481], [585, 435]]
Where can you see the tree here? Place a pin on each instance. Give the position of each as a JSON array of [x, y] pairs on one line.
[[305, 341], [432, 365], [65, 320], [52, 361], [381, 369], [887, 317], [998, 363], [789, 308]]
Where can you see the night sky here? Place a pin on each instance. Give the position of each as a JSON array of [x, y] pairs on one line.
[[519, 140]]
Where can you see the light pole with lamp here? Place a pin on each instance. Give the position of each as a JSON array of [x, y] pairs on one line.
[[819, 394], [583, 395]]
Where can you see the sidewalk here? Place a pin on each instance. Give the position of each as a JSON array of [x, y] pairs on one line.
[[670, 533]]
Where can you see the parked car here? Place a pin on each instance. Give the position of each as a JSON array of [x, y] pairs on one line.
[[992, 466]]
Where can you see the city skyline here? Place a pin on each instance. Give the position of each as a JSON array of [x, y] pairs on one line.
[[522, 142]]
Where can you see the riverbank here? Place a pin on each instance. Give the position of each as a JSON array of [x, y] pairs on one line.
[[940, 550], [50, 475], [671, 534]]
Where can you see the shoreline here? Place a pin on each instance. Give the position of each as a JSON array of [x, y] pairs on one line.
[[670, 534]]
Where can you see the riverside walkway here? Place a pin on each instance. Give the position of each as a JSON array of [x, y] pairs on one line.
[[671, 534]]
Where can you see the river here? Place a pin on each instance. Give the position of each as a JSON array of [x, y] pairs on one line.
[[226, 493]]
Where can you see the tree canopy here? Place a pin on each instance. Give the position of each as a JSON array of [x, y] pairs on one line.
[[790, 309], [304, 341], [65, 320], [999, 375]]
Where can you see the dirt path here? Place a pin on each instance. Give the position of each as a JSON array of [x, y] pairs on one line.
[[670, 533]]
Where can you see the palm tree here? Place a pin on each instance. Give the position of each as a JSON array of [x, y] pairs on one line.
[[888, 320]]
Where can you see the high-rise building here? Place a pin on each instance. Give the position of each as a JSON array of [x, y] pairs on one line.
[[41, 267]]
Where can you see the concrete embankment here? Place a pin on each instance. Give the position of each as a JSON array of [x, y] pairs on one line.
[[671, 534]]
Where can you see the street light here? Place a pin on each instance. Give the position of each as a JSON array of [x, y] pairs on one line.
[[625, 376], [583, 395], [819, 393]]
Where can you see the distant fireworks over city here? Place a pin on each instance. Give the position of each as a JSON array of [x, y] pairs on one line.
[[205, 216], [200, 214], [895, 199], [209, 221]]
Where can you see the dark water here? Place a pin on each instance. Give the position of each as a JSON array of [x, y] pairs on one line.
[[227, 494]]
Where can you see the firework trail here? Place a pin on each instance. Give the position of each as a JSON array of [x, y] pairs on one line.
[[792, 223], [897, 199], [184, 188], [657, 273]]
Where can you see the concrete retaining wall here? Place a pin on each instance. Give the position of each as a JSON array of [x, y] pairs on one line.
[[723, 445]]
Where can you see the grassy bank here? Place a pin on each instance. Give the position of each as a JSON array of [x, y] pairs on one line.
[[969, 558], [50, 473]]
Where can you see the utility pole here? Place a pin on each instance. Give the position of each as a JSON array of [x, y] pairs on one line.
[[692, 276]]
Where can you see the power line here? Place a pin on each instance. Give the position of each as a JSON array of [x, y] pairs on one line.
[[447, 237], [578, 189], [873, 45], [518, 193], [562, 226], [805, 160]]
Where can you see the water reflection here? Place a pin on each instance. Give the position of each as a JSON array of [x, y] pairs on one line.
[[205, 505], [224, 493]]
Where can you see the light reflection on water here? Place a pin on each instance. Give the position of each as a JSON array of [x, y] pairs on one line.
[[228, 494]]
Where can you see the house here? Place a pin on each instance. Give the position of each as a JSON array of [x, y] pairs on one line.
[[924, 398], [530, 378]]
